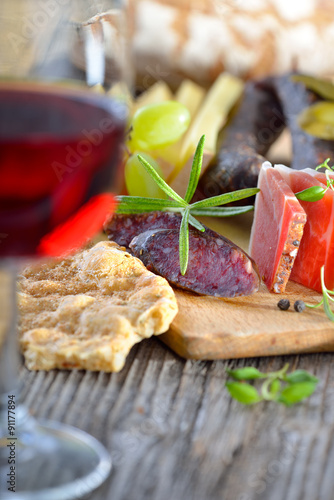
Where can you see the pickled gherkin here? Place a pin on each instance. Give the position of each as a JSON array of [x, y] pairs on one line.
[[323, 88], [318, 120]]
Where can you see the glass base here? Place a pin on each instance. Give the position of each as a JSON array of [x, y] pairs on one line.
[[50, 460]]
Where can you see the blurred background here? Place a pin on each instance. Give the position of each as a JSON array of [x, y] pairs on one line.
[[250, 38]]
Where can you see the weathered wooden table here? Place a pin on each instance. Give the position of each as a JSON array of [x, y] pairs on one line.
[[175, 433]]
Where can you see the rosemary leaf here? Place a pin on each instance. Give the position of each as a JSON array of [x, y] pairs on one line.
[[137, 204], [221, 211], [195, 170], [160, 182], [208, 207], [195, 223], [184, 242], [222, 199]]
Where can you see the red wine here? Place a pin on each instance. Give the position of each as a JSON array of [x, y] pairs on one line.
[[58, 147]]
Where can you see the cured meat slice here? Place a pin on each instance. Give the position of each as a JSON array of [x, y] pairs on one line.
[[277, 229], [216, 266], [320, 176], [122, 228], [317, 245]]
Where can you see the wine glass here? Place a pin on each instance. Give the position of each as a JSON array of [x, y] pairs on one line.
[[59, 145]]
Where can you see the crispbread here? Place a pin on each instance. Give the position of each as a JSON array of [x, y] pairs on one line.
[[87, 311]]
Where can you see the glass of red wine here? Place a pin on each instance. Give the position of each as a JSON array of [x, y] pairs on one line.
[[60, 143]]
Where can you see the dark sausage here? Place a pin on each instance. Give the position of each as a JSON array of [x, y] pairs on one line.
[[255, 126], [308, 151], [216, 266], [123, 228]]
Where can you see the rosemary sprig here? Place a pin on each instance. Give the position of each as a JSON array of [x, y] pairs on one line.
[[207, 207]]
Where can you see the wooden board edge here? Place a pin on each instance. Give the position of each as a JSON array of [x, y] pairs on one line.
[[229, 347]]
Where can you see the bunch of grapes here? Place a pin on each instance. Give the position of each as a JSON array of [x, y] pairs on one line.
[[153, 127]]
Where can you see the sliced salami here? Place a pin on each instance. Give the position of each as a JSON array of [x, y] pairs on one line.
[[123, 228], [216, 266]]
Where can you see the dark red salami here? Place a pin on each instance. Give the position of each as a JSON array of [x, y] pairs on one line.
[[216, 266], [123, 228]]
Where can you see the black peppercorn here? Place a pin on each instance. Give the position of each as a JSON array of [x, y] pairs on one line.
[[283, 304], [299, 306]]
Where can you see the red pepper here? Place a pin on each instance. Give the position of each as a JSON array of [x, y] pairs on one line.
[[79, 228]]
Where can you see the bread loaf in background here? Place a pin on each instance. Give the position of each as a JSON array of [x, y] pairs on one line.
[[249, 38], [198, 39]]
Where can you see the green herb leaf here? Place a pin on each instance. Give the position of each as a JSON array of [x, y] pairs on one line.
[[295, 393], [324, 164], [328, 170], [314, 193], [195, 223], [300, 376], [326, 297], [195, 170], [246, 373], [161, 183], [222, 199], [276, 386], [328, 311], [184, 242], [221, 211], [242, 392], [137, 204]]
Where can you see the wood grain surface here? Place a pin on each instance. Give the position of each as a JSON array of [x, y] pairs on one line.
[[214, 328], [174, 432]]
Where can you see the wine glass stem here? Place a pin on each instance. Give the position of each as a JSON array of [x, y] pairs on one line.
[[9, 350]]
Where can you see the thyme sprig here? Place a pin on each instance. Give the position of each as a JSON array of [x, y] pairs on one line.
[[175, 203], [329, 170], [278, 386], [327, 296], [316, 193]]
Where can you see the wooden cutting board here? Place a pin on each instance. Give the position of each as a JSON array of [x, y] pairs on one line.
[[212, 328]]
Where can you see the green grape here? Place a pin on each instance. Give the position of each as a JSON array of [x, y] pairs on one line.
[[138, 181], [158, 125]]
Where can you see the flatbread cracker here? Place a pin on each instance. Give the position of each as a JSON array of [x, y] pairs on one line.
[[88, 310]]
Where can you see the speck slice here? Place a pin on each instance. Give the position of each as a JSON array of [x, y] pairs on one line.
[[317, 246], [277, 229]]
